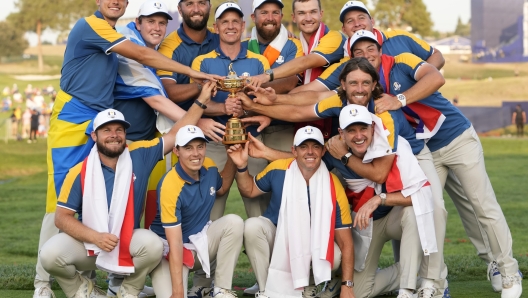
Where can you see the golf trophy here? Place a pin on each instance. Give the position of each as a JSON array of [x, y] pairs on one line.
[[235, 132]]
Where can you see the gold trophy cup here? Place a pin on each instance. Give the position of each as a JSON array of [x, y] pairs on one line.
[[235, 132]]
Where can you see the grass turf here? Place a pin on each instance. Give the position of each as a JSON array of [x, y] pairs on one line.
[[22, 200]]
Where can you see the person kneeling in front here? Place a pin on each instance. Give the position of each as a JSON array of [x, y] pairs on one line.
[[186, 195]]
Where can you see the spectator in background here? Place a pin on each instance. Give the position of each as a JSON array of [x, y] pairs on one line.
[[26, 122], [15, 121], [35, 114], [519, 118], [28, 91], [38, 99], [17, 97], [6, 104], [14, 89]]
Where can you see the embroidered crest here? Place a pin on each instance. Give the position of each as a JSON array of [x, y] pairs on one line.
[[191, 129], [353, 112], [157, 5], [212, 191], [280, 60], [112, 114], [397, 86]]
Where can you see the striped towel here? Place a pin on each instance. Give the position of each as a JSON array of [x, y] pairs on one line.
[[275, 47], [118, 219]]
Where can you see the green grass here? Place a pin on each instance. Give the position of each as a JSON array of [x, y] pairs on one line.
[[22, 201]]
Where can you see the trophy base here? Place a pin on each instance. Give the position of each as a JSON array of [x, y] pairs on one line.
[[234, 142]]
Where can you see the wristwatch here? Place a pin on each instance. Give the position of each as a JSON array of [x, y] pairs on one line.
[[348, 283], [344, 159], [383, 197], [269, 72], [402, 99]]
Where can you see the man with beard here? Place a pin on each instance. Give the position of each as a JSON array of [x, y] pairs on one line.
[[87, 82], [454, 145], [359, 85], [107, 232]]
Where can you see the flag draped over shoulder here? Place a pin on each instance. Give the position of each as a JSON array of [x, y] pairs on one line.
[[134, 80]]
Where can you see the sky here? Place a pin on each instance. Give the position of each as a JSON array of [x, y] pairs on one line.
[[444, 13]]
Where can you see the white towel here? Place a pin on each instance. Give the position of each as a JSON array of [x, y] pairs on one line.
[[199, 243], [311, 74], [97, 216], [301, 237]]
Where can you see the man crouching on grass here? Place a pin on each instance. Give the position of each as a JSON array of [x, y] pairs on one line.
[[186, 195], [107, 191], [308, 211]]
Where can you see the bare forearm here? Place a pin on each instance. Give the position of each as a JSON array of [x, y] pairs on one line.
[[284, 85], [175, 258], [395, 199], [346, 245], [156, 60], [377, 170], [426, 85], [271, 154], [436, 59], [286, 112], [215, 109], [304, 98], [166, 107], [228, 175], [298, 65], [180, 92], [73, 227]]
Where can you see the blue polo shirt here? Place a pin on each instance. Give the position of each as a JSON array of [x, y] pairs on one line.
[[402, 76], [216, 62], [185, 201], [347, 173], [179, 47], [89, 69], [330, 46], [144, 155], [394, 121], [395, 42], [271, 179]]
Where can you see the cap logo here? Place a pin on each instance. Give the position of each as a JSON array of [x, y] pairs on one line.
[[353, 112], [361, 33], [191, 129], [112, 114], [309, 130], [157, 5]]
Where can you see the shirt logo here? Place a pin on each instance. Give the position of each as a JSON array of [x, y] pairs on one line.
[[212, 191], [245, 74], [134, 177], [280, 60], [397, 86]]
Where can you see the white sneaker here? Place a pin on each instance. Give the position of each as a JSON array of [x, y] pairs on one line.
[[89, 290], [198, 292], [260, 294], [405, 294], [43, 292], [309, 292], [147, 292], [224, 293], [494, 276], [112, 291], [426, 292], [511, 286], [332, 289], [253, 290]]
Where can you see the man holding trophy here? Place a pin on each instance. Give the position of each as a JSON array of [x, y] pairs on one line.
[[229, 59]]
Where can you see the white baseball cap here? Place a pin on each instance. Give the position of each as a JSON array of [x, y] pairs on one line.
[[354, 114], [227, 6], [151, 7], [308, 133], [362, 34], [258, 3], [189, 133], [107, 116], [352, 5]]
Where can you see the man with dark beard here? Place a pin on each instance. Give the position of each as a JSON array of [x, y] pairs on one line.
[[107, 191]]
